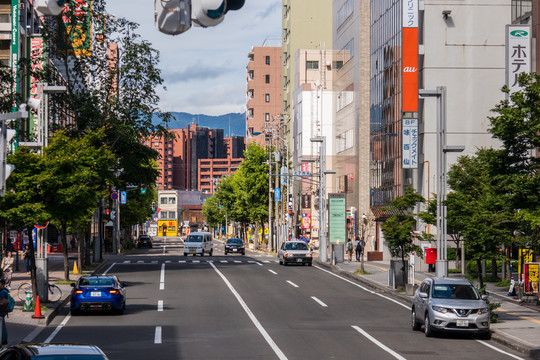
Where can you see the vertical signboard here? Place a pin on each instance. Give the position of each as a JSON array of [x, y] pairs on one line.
[[37, 53], [14, 60], [410, 144], [75, 29], [410, 56], [518, 54], [531, 278], [337, 222]]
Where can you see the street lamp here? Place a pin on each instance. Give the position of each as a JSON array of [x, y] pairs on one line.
[[441, 265]]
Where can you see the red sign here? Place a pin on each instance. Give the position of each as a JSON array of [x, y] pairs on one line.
[[306, 221], [410, 69], [158, 210]]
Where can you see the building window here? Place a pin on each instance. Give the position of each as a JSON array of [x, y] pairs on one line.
[[344, 12], [337, 65], [267, 79], [267, 60], [172, 200], [350, 48], [267, 117], [312, 65], [163, 200], [267, 97]]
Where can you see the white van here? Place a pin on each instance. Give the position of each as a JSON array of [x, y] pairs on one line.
[[198, 243]]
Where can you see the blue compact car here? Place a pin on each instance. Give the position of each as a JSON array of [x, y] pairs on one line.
[[98, 292]]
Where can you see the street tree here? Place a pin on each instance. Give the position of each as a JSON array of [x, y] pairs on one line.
[[398, 228]]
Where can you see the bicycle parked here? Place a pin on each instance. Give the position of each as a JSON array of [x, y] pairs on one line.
[[54, 292]]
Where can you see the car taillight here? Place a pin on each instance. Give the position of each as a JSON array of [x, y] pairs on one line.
[[76, 292], [114, 291]]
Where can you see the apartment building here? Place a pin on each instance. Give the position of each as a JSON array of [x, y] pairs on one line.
[[263, 89]]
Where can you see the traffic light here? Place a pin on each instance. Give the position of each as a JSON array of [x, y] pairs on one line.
[[174, 17], [50, 7], [5, 138], [143, 189], [153, 206]]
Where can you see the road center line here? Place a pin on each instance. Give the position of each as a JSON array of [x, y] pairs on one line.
[[58, 328], [160, 305], [109, 268], [319, 301], [157, 335], [379, 344], [256, 322], [162, 278], [273, 272], [364, 288], [293, 284]]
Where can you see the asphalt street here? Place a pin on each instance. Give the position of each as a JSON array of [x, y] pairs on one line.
[[250, 307]]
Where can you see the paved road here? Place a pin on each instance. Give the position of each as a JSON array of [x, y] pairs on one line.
[[250, 307]]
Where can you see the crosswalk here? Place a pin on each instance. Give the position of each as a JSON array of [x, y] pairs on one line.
[[255, 262]]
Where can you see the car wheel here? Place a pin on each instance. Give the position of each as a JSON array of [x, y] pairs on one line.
[[211, 252], [122, 310], [75, 312], [284, 263], [225, 252], [484, 335], [202, 253], [415, 324], [280, 262], [310, 264], [427, 327]]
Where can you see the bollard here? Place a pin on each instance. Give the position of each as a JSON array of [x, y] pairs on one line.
[[28, 302]]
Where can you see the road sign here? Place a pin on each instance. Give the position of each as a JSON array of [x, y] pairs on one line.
[[302, 173], [123, 197], [113, 214], [158, 210], [277, 194], [114, 195]]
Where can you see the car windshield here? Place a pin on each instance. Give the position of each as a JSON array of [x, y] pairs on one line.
[[451, 291], [194, 238], [96, 281], [296, 246], [234, 242], [70, 356]]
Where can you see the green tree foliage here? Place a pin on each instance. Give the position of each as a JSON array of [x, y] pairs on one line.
[[398, 228]]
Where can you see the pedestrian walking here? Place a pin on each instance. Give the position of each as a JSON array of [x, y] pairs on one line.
[[349, 249], [7, 268], [4, 294], [27, 257], [358, 248]]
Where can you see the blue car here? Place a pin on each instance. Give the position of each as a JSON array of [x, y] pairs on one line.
[[98, 292]]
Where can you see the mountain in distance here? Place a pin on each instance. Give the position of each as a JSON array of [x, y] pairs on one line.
[[233, 124]]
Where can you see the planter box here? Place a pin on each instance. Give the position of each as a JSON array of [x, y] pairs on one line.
[[374, 256]]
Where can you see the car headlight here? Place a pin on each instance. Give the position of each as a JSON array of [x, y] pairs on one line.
[[309, 255], [440, 309], [287, 255], [483, 311]]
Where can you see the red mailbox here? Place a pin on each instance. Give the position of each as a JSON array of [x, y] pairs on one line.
[[431, 255]]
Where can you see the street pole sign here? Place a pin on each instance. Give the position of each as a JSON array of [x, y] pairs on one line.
[[337, 230], [123, 197]]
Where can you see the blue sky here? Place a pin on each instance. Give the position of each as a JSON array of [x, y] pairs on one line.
[[205, 69]]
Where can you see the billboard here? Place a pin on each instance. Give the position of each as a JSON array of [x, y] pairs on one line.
[[410, 143], [337, 222], [518, 54], [14, 59], [75, 29], [410, 56]]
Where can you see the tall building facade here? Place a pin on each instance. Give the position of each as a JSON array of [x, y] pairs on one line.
[[307, 24], [442, 44], [263, 88]]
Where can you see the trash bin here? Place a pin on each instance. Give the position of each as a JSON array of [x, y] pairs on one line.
[[338, 253], [398, 269]]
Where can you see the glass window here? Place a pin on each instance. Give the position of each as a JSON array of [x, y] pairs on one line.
[[312, 65], [267, 79], [267, 117], [267, 97], [163, 200], [172, 200], [267, 60]]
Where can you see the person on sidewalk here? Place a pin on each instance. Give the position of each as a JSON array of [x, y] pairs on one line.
[[26, 255], [7, 268], [3, 294], [349, 249], [358, 248]]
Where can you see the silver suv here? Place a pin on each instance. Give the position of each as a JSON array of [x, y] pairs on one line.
[[444, 304]]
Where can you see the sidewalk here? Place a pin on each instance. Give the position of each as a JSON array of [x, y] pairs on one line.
[[519, 323]]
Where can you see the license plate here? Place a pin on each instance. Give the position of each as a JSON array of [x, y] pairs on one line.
[[462, 323], [192, 252], [234, 250], [298, 260], [95, 293]]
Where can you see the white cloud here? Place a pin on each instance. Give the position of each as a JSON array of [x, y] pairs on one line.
[[205, 69]]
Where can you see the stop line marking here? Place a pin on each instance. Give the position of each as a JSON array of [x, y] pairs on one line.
[[157, 335]]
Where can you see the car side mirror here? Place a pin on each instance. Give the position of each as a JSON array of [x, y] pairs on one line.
[[485, 297], [423, 295]]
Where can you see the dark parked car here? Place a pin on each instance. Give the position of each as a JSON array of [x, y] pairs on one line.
[[236, 246], [53, 351], [443, 304], [98, 292], [144, 241]]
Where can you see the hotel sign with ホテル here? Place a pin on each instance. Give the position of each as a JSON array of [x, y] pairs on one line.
[[410, 56], [518, 54]]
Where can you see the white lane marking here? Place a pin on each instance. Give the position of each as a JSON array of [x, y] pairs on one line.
[[379, 344], [256, 322], [167, 261], [499, 350], [140, 262], [162, 278], [195, 261], [237, 261], [181, 261], [273, 272], [109, 268], [127, 262], [160, 305], [364, 288], [154, 262], [319, 301], [266, 261], [293, 284], [164, 247], [223, 261], [157, 335], [57, 330]]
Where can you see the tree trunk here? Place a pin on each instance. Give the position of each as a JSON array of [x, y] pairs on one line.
[[494, 271], [87, 247], [403, 268], [479, 270], [63, 238]]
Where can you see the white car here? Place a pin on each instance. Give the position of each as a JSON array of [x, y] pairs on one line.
[[295, 252], [198, 243]]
